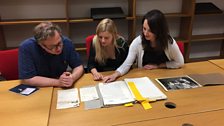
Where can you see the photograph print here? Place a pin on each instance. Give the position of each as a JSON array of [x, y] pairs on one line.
[[176, 83]]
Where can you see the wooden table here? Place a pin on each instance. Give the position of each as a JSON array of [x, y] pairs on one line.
[[188, 102], [211, 118], [218, 62], [18, 110]]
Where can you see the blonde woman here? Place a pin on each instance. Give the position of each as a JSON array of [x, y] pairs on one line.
[[108, 50]]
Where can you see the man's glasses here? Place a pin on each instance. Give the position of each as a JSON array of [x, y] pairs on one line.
[[52, 47]]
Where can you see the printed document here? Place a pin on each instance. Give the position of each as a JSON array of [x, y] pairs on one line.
[[147, 88], [115, 93], [67, 98], [88, 93]]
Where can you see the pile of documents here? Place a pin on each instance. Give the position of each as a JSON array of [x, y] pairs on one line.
[[67, 98], [119, 92], [110, 94]]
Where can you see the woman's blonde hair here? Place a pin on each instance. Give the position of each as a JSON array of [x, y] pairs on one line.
[[106, 25]]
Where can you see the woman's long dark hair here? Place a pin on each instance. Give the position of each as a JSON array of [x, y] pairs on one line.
[[158, 26]]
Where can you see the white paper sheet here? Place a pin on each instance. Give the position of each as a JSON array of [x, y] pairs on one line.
[[67, 98], [88, 93], [115, 93], [147, 88]]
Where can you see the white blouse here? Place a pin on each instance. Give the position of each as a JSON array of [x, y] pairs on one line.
[[136, 52]]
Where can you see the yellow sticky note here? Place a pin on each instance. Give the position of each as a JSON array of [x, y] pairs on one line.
[[138, 96], [146, 105], [128, 105], [135, 91]]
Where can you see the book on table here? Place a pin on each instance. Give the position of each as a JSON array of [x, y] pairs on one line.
[[191, 81], [119, 92]]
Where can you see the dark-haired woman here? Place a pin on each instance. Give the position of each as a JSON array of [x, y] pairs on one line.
[[154, 49]]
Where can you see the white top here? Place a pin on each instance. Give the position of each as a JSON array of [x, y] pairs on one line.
[[136, 52]]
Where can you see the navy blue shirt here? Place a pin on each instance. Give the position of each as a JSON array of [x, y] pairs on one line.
[[35, 61]]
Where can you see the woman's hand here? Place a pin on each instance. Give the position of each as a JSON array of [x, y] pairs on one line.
[[154, 66], [151, 66], [97, 76], [112, 77]]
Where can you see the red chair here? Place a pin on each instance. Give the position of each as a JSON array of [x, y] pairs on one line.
[[9, 64], [89, 40], [181, 47]]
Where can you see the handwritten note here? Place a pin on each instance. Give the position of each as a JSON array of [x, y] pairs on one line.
[[67, 98]]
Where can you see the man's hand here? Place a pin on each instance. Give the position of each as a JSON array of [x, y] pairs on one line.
[[66, 80]]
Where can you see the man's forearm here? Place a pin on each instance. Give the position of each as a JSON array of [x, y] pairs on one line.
[[41, 81], [77, 73]]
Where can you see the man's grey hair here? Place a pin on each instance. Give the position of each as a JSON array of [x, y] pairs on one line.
[[45, 30]]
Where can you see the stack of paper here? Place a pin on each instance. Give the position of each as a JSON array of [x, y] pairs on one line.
[[67, 98], [115, 93], [88, 93], [119, 92], [147, 88]]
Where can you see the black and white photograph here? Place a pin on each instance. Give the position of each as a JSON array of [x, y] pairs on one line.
[[176, 83]]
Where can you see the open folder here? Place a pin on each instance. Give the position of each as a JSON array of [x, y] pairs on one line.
[[119, 92]]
